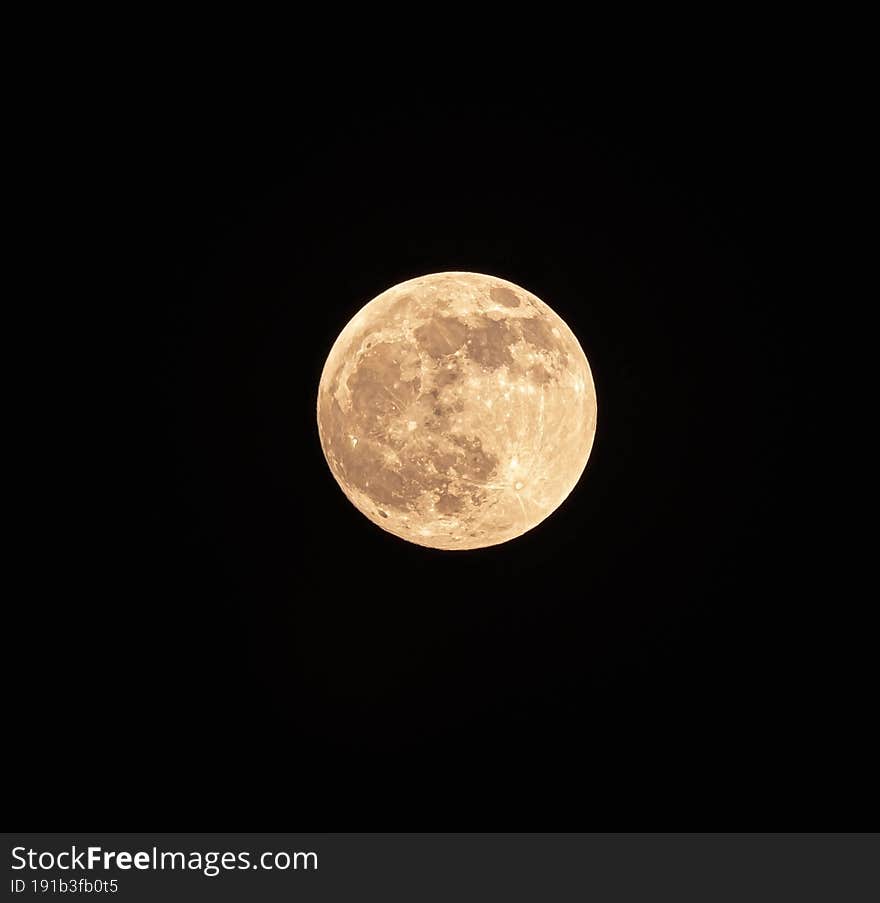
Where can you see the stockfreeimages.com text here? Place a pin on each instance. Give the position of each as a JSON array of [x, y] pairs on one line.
[[209, 863]]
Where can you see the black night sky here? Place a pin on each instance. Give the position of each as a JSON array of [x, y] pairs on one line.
[[259, 647]]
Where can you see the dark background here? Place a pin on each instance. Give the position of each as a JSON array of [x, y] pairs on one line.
[[234, 638]]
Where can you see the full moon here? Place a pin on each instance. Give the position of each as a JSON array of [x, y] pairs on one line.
[[456, 410]]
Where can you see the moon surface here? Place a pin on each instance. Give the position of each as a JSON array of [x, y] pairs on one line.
[[456, 410]]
